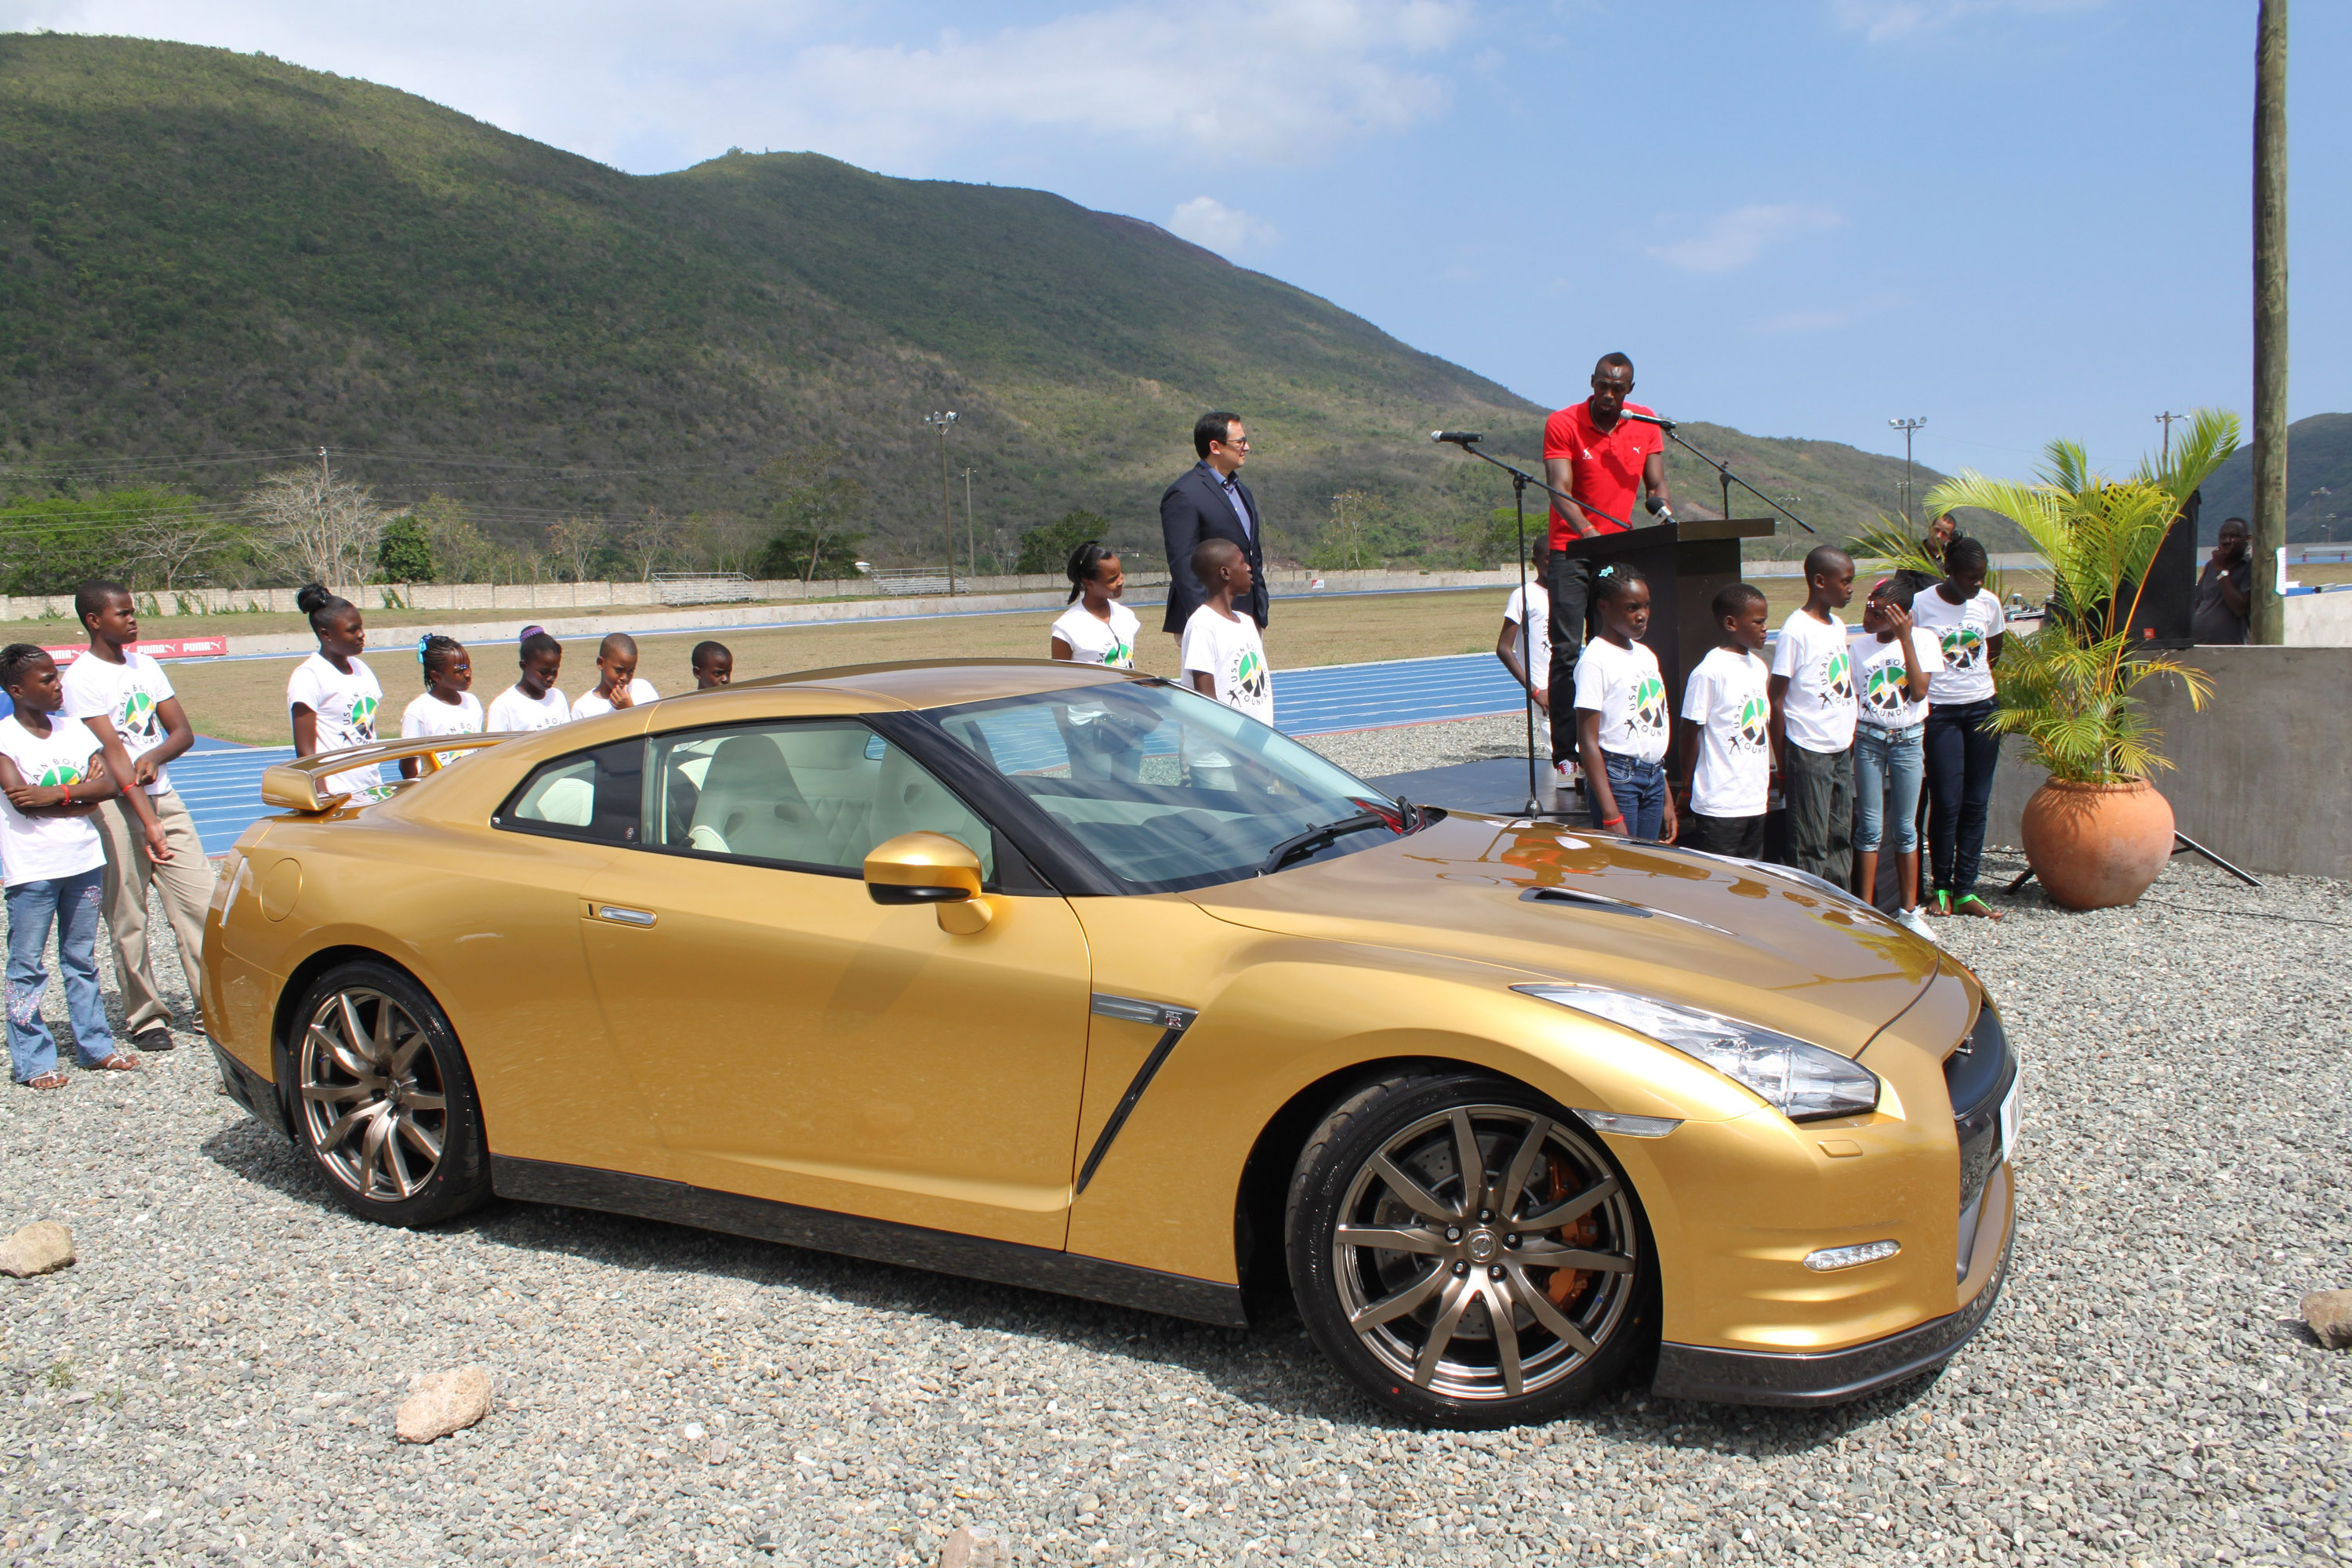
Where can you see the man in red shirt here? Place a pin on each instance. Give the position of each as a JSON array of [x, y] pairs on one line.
[[1604, 459]]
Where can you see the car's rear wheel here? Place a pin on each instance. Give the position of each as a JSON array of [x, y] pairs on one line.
[[383, 1101], [1468, 1252]]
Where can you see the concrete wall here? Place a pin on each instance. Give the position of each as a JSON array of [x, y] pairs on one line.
[[2320, 620], [2260, 776]]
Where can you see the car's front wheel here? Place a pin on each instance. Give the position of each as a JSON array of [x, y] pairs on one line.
[[383, 1101], [1467, 1253]]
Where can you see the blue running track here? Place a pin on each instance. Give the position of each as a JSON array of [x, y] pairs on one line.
[[222, 782]]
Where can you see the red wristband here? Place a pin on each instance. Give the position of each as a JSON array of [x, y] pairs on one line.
[[1613, 821]]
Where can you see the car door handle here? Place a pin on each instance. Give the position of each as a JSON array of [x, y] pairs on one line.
[[619, 915]]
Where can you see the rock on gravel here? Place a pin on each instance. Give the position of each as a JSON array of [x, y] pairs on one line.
[[212, 1383], [440, 1402], [39, 1247], [2329, 1313], [975, 1546]]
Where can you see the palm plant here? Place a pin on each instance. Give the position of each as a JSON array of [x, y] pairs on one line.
[[2071, 689]]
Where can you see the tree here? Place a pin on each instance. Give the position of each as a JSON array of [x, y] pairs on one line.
[[1045, 548], [322, 527], [576, 542], [723, 541], [173, 538], [651, 541], [459, 551], [405, 554], [814, 514], [52, 545]]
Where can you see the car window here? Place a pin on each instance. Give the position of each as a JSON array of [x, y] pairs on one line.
[[589, 794], [817, 795], [1165, 788]]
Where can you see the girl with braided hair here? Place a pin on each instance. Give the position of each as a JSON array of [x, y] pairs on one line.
[[449, 706]]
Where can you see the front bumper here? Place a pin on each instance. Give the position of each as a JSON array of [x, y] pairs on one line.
[[1827, 1377]]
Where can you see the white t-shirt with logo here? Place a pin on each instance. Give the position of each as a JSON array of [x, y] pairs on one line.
[[1234, 655], [346, 706], [1966, 632], [1538, 649], [1729, 701], [1819, 707], [592, 701], [428, 715], [44, 849], [1879, 676], [515, 709], [1109, 643], [1623, 686], [127, 695]]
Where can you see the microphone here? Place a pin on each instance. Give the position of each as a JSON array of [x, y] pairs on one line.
[[1645, 419], [1461, 438], [1657, 508]]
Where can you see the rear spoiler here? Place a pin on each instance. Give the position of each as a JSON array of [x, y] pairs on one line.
[[295, 785]]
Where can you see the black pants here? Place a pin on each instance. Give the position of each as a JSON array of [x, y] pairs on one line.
[[1819, 788], [1742, 838], [1570, 587], [1961, 755]]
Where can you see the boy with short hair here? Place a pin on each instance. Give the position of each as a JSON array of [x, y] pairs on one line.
[[128, 702], [52, 776], [1727, 732], [617, 684], [1222, 655], [712, 665], [1524, 647], [1813, 715]]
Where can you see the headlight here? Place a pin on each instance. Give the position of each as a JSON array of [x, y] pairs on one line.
[[1803, 1081]]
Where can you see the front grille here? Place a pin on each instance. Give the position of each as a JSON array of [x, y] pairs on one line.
[[1978, 1075]]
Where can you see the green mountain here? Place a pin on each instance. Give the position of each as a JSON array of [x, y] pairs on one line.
[[212, 255], [2318, 483]]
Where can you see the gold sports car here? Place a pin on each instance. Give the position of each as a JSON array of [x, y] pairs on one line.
[[1068, 978]]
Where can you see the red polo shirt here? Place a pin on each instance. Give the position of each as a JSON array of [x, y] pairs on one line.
[[1607, 466]]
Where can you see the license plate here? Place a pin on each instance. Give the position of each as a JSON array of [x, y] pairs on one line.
[[2008, 1119]]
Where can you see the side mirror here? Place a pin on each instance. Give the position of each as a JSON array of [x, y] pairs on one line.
[[931, 868]]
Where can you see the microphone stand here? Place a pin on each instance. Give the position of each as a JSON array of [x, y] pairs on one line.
[[1722, 471], [1520, 481]]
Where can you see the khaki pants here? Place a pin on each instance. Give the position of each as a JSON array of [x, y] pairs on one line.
[[186, 880]]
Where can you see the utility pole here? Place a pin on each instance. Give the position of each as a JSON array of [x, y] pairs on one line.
[[2165, 420], [2269, 319], [947, 506], [970, 540], [1906, 426]]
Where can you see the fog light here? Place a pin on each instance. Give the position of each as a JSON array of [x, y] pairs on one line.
[[1829, 1257], [1628, 1126]]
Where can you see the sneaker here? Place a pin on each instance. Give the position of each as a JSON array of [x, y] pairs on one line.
[[1911, 919], [154, 1037]]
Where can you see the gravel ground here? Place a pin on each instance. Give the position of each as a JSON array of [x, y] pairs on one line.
[[216, 1381]]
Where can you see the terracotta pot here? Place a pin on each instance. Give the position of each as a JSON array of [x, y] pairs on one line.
[[2094, 847]]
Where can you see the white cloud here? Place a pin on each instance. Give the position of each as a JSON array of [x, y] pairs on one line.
[[1279, 80], [1880, 20], [1207, 221], [1740, 236]]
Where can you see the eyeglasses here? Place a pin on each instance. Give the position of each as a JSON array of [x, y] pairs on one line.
[[1243, 443]]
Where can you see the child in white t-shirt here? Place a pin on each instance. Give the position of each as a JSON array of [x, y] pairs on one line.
[[532, 702], [332, 696], [1222, 654], [1812, 719], [1962, 749], [1622, 714], [617, 684], [1524, 646], [1096, 629], [1893, 664], [1727, 732], [52, 776], [449, 706]]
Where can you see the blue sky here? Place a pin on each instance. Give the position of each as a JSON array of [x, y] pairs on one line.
[[2018, 219]]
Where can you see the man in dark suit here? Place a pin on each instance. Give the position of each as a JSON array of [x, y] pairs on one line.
[[1209, 501]]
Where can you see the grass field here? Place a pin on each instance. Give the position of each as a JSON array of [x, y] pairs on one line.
[[244, 699]]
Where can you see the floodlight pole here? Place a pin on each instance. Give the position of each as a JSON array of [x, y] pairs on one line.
[[947, 506], [970, 540], [1906, 426]]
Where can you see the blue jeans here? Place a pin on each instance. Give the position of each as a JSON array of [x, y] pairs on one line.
[[1641, 791], [1888, 768], [1961, 756], [71, 904]]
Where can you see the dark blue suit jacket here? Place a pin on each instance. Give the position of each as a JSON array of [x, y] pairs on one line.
[[1194, 509]]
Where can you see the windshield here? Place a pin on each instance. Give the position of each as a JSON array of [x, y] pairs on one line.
[[1167, 789]]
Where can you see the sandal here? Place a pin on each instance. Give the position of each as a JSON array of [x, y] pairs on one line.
[[1970, 904], [51, 1079], [1938, 903], [118, 1062]]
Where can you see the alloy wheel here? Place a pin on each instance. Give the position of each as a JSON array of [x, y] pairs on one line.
[[372, 1099], [1484, 1252]]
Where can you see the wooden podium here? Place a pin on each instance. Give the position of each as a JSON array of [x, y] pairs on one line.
[[1688, 562]]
